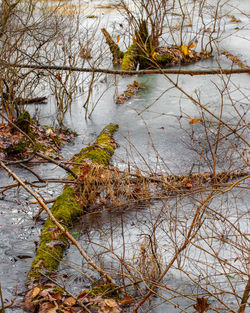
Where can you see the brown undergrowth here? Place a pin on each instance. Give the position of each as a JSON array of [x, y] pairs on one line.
[[48, 140], [110, 187]]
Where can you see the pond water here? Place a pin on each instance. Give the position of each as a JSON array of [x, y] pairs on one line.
[[153, 126]]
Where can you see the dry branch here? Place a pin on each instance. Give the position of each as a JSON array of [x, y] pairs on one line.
[[127, 73]]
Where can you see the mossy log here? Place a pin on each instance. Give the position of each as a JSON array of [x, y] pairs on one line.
[[114, 48], [66, 207]]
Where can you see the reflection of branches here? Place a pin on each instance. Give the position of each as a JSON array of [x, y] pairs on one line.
[[192, 232]]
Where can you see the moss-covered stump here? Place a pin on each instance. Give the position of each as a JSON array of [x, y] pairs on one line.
[[114, 48], [24, 122], [66, 208], [146, 51], [129, 60]]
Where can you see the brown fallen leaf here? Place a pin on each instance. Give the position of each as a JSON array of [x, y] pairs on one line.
[[28, 304], [201, 305], [69, 301], [57, 296], [44, 293], [47, 307], [111, 303], [127, 300], [194, 120], [35, 292], [187, 182]]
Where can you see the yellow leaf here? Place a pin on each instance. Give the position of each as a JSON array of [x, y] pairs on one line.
[[154, 55], [184, 49], [118, 38], [134, 41], [194, 120], [191, 46], [35, 292]]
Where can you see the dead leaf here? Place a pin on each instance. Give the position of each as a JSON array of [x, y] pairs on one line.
[[54, 243], [154, 55], [48, 307], [118, 38], [234, 19], [127, 300], [54, 310], [28, 304], [187, 182], [57, 296], [85, 169], [35, 292], [49, 132], [184, 49], [69, 301], [111, 303], [59, 77], [201, 305], [194, 121], [191, 46], [82, 295], [44, 293]]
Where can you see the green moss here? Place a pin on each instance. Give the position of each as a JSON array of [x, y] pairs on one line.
[[67, 208], [97, 155], [164, 59], [129, 59], [102, 149], [16, 148], [105, 290], [23, 122]]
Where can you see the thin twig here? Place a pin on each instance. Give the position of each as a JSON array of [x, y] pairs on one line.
[[57, 163], [2, 303]]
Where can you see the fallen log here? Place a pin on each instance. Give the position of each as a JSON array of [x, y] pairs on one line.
[[66, 208]]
